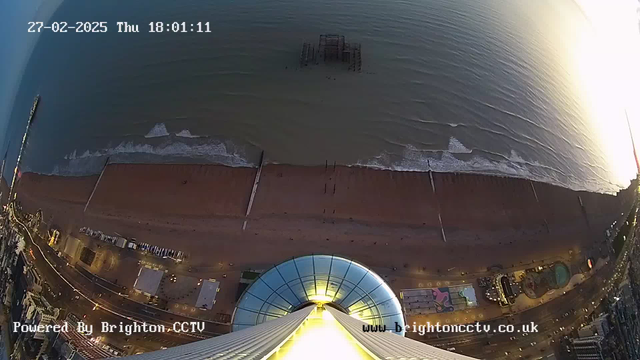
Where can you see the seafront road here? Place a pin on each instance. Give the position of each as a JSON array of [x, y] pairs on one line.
[[87, 300]]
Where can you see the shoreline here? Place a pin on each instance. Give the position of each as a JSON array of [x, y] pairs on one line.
[[570, 183]]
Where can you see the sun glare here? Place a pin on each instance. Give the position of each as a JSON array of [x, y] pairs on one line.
[[607, 58], [312, 341]]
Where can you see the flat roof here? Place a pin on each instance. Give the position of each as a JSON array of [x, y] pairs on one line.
[[148, 280], [208, 292]]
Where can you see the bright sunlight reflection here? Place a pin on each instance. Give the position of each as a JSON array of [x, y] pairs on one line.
[[607, 58], [321, 337]]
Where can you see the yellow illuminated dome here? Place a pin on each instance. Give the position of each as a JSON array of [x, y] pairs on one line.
[[321, 279]]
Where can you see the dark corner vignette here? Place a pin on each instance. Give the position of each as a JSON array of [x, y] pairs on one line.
[[418, 179]]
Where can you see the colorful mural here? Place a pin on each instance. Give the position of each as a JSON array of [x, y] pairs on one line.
[[424, 301], [442, 300]]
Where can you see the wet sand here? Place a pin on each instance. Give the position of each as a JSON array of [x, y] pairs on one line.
[[384, 219]]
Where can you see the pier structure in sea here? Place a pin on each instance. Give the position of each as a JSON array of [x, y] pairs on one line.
[[332, 48]]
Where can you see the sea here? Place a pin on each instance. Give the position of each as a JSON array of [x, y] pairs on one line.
[[528, 89]]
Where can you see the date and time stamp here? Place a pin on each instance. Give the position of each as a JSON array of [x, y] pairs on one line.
[[120, 27]]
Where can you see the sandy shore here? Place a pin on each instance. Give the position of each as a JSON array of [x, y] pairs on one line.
[[75, 190], [382, 218]]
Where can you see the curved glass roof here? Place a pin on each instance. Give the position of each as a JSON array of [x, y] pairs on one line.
[[347, 285]]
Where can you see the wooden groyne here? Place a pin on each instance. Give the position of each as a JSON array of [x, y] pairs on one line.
[[433, 189], [106, 163], [254, 190]]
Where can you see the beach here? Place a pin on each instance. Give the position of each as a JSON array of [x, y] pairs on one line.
[[385, 219]]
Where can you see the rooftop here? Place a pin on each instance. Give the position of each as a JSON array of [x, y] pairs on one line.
[[148, 280], [208, 292]]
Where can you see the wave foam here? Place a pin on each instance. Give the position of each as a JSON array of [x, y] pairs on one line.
[[186, 134], [457, 158], [159, 130], [177, 149], [456, 147], [90, 162], [414, 159]]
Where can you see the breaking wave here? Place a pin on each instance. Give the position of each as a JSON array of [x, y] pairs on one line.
[[159, 130], [186, 134], [513, 165], [456, 147], [91, 162], [456, 158], [209, 151]]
